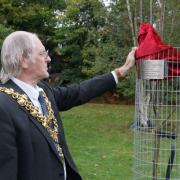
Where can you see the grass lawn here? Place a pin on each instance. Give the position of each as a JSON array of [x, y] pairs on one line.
[[100, 140]]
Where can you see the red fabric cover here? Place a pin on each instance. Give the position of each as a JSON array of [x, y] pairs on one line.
[[150, 46]]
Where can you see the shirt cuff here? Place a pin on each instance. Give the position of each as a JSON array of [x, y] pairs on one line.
[[115, 76]]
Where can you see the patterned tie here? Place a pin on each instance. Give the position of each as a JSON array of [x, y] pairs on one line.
[[43, 104], [51, 125]]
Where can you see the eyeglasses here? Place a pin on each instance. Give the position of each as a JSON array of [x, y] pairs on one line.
[[45, 54]]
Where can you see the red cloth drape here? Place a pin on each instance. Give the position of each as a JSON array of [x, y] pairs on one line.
[[150, 46]]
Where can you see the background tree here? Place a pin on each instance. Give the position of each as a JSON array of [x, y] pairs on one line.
[[84, 37], [78, 36], [30, 15]]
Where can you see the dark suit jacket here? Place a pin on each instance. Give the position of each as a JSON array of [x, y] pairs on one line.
[[27, 151]]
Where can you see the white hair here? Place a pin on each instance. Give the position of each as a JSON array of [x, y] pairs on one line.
[[16, 46]]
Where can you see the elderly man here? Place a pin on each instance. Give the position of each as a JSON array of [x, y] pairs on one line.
[[32, 141]]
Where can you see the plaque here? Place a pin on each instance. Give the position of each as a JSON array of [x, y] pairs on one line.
[[153, 69]]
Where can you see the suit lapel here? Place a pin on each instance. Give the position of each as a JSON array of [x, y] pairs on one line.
[[11, 84], [44, 132]]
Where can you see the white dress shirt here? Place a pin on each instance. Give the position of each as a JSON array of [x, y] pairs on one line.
[[31, 91], [115, 76]]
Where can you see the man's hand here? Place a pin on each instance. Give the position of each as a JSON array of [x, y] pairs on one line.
[[130, 61]]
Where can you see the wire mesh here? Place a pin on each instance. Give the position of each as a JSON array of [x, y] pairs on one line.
[[156, 153]]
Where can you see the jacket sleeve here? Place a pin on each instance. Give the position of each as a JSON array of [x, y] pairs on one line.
[[8, 148], [76, 94]]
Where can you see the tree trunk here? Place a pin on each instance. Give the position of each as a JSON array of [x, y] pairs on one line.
[[172, 27], [135, 19], [151, 12], [162, 14], [141, 11], [131, 22]]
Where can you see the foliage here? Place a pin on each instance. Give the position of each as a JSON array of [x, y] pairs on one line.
[[172, 23], [126, 88], [34, 16], [80, 22], [111, 44], [4, 31], [84, 37]]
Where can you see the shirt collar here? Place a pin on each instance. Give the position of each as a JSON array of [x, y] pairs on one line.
[[31, 91]]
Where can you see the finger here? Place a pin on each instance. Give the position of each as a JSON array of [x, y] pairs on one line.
[[134, 48]]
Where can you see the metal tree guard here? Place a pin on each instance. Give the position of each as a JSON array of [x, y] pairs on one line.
[[157, 112]]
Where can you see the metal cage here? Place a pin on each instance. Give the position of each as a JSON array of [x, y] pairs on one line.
[[156, 152]]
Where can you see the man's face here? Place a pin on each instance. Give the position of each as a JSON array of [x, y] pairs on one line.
[[38, 69]]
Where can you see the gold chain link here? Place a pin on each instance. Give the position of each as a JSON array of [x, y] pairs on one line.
[[23, 101]]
